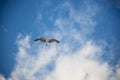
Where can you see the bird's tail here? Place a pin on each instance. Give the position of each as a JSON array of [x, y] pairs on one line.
[[46, 44]]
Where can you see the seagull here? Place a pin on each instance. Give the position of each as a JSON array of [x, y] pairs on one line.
[[47, 40]]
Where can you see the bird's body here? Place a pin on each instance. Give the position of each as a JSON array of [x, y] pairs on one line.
[[47, 40]]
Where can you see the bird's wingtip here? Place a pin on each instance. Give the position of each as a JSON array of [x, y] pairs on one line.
[[58, 41], [35, 40]]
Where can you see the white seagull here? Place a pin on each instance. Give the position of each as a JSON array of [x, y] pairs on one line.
[[47, 40]]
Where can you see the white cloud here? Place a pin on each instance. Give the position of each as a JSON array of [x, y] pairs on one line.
[[2, 77], [78, 65], [77, 57], [72, 65], [117, 77]]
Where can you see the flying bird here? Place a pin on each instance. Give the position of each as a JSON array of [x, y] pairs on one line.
[[47, 40]]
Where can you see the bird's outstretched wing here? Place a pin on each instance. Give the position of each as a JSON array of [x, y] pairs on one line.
[[40, 39], [53, 40]]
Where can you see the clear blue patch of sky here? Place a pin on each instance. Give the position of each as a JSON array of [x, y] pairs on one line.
[[17, 17]]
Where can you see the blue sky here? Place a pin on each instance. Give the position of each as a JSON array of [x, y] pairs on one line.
[[88, 32]]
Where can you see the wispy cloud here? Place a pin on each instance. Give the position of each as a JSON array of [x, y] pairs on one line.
[[77, 57]]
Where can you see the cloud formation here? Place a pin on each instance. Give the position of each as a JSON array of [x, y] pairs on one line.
[[77, 57], [2, 77]]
